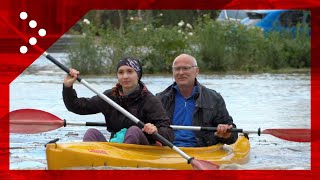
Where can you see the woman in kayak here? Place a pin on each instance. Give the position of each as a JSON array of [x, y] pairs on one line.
[[131, 94]]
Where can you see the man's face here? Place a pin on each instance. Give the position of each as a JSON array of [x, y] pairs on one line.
[[184, 71]]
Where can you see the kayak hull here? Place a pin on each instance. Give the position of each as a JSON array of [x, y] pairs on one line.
[[94, 154]]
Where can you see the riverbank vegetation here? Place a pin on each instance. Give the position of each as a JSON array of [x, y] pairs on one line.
[[157, 37]]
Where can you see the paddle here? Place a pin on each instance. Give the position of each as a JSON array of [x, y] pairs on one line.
[[28, 121], [296, 135]]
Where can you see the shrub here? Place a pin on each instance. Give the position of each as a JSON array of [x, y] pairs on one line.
[[218, 46], [87, 56]]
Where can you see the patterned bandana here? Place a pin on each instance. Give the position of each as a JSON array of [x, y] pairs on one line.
[[132, 62]]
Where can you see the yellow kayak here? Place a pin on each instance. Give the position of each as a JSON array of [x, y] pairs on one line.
[[93, 154]]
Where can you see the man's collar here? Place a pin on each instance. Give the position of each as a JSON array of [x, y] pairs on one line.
[[194, 90]]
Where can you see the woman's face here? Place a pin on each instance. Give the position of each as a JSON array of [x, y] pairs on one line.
[[127, 77]]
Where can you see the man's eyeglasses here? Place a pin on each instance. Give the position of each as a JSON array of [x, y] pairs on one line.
[[183, 68]]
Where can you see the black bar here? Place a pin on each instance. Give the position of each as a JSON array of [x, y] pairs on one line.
[[95, 124], [163, 140], [208, 128], [236, 130], [140, 124]]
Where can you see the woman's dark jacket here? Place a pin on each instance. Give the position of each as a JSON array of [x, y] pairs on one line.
[[141, 103], [210, 110]]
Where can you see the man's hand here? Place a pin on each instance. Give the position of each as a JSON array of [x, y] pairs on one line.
[[222, 131]]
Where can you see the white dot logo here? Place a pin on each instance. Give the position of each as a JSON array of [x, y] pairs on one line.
[[32, 24], [42, 32], [23, 49], [23, 15], [33, 41]]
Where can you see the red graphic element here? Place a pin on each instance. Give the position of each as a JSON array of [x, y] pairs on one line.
[[57, 16]]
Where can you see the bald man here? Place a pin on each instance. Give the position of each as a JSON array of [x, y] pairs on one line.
[[188, 103]]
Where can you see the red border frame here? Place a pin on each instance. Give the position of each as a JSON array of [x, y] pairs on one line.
[[60, 15]]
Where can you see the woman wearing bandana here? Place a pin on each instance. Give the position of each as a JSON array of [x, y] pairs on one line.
[[131, 94]]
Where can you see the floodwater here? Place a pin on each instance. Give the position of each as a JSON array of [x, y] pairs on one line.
[[254, 101]]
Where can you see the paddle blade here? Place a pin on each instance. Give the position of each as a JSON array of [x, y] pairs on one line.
[[203, 165], [296, 135], [30, 121]]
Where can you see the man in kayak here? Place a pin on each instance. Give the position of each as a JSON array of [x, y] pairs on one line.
[[131, 94], [188, 103]]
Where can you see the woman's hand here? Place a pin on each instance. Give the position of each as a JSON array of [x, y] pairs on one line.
[[71, 78], [149, 128]]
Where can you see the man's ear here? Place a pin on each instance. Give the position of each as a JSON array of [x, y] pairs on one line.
[[197, 70]]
